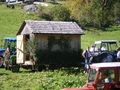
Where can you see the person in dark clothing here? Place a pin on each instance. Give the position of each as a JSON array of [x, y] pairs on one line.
[[87, 54]]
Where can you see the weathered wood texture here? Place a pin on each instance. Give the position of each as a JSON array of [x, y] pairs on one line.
[[50, 27], [20, 48], [74, 41], [42, 30]]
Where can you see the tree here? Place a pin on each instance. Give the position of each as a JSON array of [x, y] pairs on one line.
[[100, 13], [80, 11], [103, 9]]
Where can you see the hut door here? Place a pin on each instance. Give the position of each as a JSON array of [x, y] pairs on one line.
[[20, 49]]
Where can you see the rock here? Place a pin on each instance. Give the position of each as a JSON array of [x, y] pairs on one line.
[[41, 3], [30, 8]]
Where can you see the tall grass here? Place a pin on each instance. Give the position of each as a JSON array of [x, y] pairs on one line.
[[46, 80]]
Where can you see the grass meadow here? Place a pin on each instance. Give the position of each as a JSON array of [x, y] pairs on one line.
[[10, 21], [45, 80], [91, 35]]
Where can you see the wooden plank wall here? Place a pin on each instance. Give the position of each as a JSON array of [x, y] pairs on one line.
[[74, 40]]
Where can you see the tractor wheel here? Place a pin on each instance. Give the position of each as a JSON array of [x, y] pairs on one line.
[[2, 66], [6, 68], [15, 68], [41, 67], [1, 61]]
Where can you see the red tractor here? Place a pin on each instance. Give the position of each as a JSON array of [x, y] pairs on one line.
[[102, 76]]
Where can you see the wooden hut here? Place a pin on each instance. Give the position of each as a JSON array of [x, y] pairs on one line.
[[49, 35]]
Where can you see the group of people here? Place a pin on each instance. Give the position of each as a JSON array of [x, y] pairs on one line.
[[89, 52]]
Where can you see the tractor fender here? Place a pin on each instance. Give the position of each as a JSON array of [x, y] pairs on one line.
[[84, 88]]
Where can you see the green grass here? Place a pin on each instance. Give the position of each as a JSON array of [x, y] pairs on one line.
[[91, 35], [10, 21], [46, 80]]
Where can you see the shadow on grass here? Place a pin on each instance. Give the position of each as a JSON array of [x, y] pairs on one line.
[[26, 71], [104, 29], [110, 28], [68, 70], [74, 70], [1, 74]]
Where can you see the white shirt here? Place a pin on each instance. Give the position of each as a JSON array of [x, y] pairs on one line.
[[118, 54], [91, 49], [103, 48]]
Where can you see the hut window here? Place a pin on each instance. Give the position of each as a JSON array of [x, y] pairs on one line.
[[27, 37], [27, 56]]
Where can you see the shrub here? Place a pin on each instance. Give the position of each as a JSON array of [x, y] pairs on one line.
[[2, 2], [59, 58], [44, 13], [60, 13]]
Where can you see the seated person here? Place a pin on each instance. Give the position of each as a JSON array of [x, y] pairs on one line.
[[103, 47]]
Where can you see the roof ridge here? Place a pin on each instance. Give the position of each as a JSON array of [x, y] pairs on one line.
[[50, 21], [53, 27]]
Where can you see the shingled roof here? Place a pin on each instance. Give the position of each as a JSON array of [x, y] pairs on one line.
[[49, 27]]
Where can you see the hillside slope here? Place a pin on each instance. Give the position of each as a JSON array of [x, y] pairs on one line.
[[91, 35], [11, 19]]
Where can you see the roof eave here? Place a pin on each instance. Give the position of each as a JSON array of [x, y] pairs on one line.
[[61, 33], [21, 28]]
